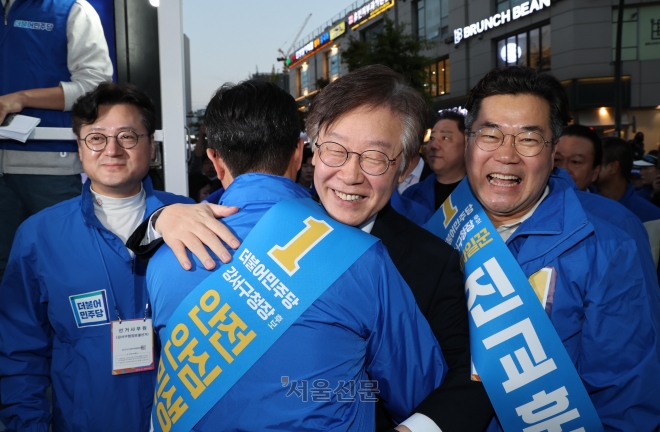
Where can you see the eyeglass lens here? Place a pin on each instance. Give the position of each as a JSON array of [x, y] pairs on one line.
[[372, 162], [98, 141]]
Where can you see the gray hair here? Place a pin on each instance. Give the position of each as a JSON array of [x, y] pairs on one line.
[[371, 86]]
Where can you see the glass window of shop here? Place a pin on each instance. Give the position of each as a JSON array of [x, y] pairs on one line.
[[334, 64], [502, 5], [640, 38], [529, 48], [438, 78], [304, 79], [331, 64], [432, 19], [370, 33]]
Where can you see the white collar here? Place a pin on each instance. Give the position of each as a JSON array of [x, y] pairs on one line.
[[506, 230], [368, 225]]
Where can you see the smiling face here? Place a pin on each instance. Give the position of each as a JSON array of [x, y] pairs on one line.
[[576, 155], [506, 183], [445, 151], [115, 171], [349, 194]]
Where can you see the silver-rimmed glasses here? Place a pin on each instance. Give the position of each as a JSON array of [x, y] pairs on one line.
[[97, 141], [372, 162], [526, 143]]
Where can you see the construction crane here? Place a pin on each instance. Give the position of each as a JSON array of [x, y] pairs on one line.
[[288, 52]]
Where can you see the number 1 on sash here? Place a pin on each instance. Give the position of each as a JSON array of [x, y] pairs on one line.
[[287, 256], [449, 210]]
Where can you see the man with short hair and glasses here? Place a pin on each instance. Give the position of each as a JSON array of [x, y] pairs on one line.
[[604, 304], [69, 276]]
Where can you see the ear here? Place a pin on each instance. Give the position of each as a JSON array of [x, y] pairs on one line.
[[152, 144], [596, 173], [315, 155], [407, 170], [296, 161], [224, 175], [80, 149]]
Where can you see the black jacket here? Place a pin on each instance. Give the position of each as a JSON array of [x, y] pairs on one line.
[[431, 268]]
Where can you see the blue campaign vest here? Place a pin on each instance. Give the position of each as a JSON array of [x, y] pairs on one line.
[[33, 54], [536, 392], [220, 329]]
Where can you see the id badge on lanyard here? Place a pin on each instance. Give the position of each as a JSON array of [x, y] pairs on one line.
[[132, 346]]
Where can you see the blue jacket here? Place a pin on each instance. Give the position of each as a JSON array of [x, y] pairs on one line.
[[642, 208], [423, 193], [33, 54], [602, 310], [366, 324], [645, 192], [410, 209], [60, 252]]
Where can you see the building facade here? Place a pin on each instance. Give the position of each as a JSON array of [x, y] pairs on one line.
[[574, 40]]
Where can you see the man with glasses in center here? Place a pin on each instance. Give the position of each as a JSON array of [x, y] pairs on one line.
[[70, 279]]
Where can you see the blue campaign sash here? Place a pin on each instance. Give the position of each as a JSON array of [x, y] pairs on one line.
[[530, 379], [291, 256]]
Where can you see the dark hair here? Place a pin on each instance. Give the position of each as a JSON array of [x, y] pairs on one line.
[[617, 149], [582, 131], [307, 153], [449, 114], [520, 80], [254, 127], [372, 86], [85, 110], [196, 182]]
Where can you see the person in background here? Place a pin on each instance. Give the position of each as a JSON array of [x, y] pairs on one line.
[[70, 278], [445, 154], [637, 145], [199, 187], [614, 182], [636, 179], [54, 69], [649, 171], [305, 176], [579, 151]]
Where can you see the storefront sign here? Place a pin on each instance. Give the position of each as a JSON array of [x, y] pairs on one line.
[[338, 30], [320, 42], [498, 19], [368, 11]]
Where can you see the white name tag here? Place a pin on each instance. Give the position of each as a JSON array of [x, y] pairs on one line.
[[90, 309], [132, 346]]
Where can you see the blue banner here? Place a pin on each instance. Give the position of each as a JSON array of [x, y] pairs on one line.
[[530, 379], [293, 254]]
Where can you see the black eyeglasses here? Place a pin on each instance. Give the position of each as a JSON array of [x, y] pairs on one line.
[[97, 141], [372, 162], [527, 144]]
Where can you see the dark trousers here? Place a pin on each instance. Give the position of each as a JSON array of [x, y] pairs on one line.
[[23, 195]]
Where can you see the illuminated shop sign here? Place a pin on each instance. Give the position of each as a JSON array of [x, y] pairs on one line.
[[338, 30], [318, 43], [498, 19], [367, 12]]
